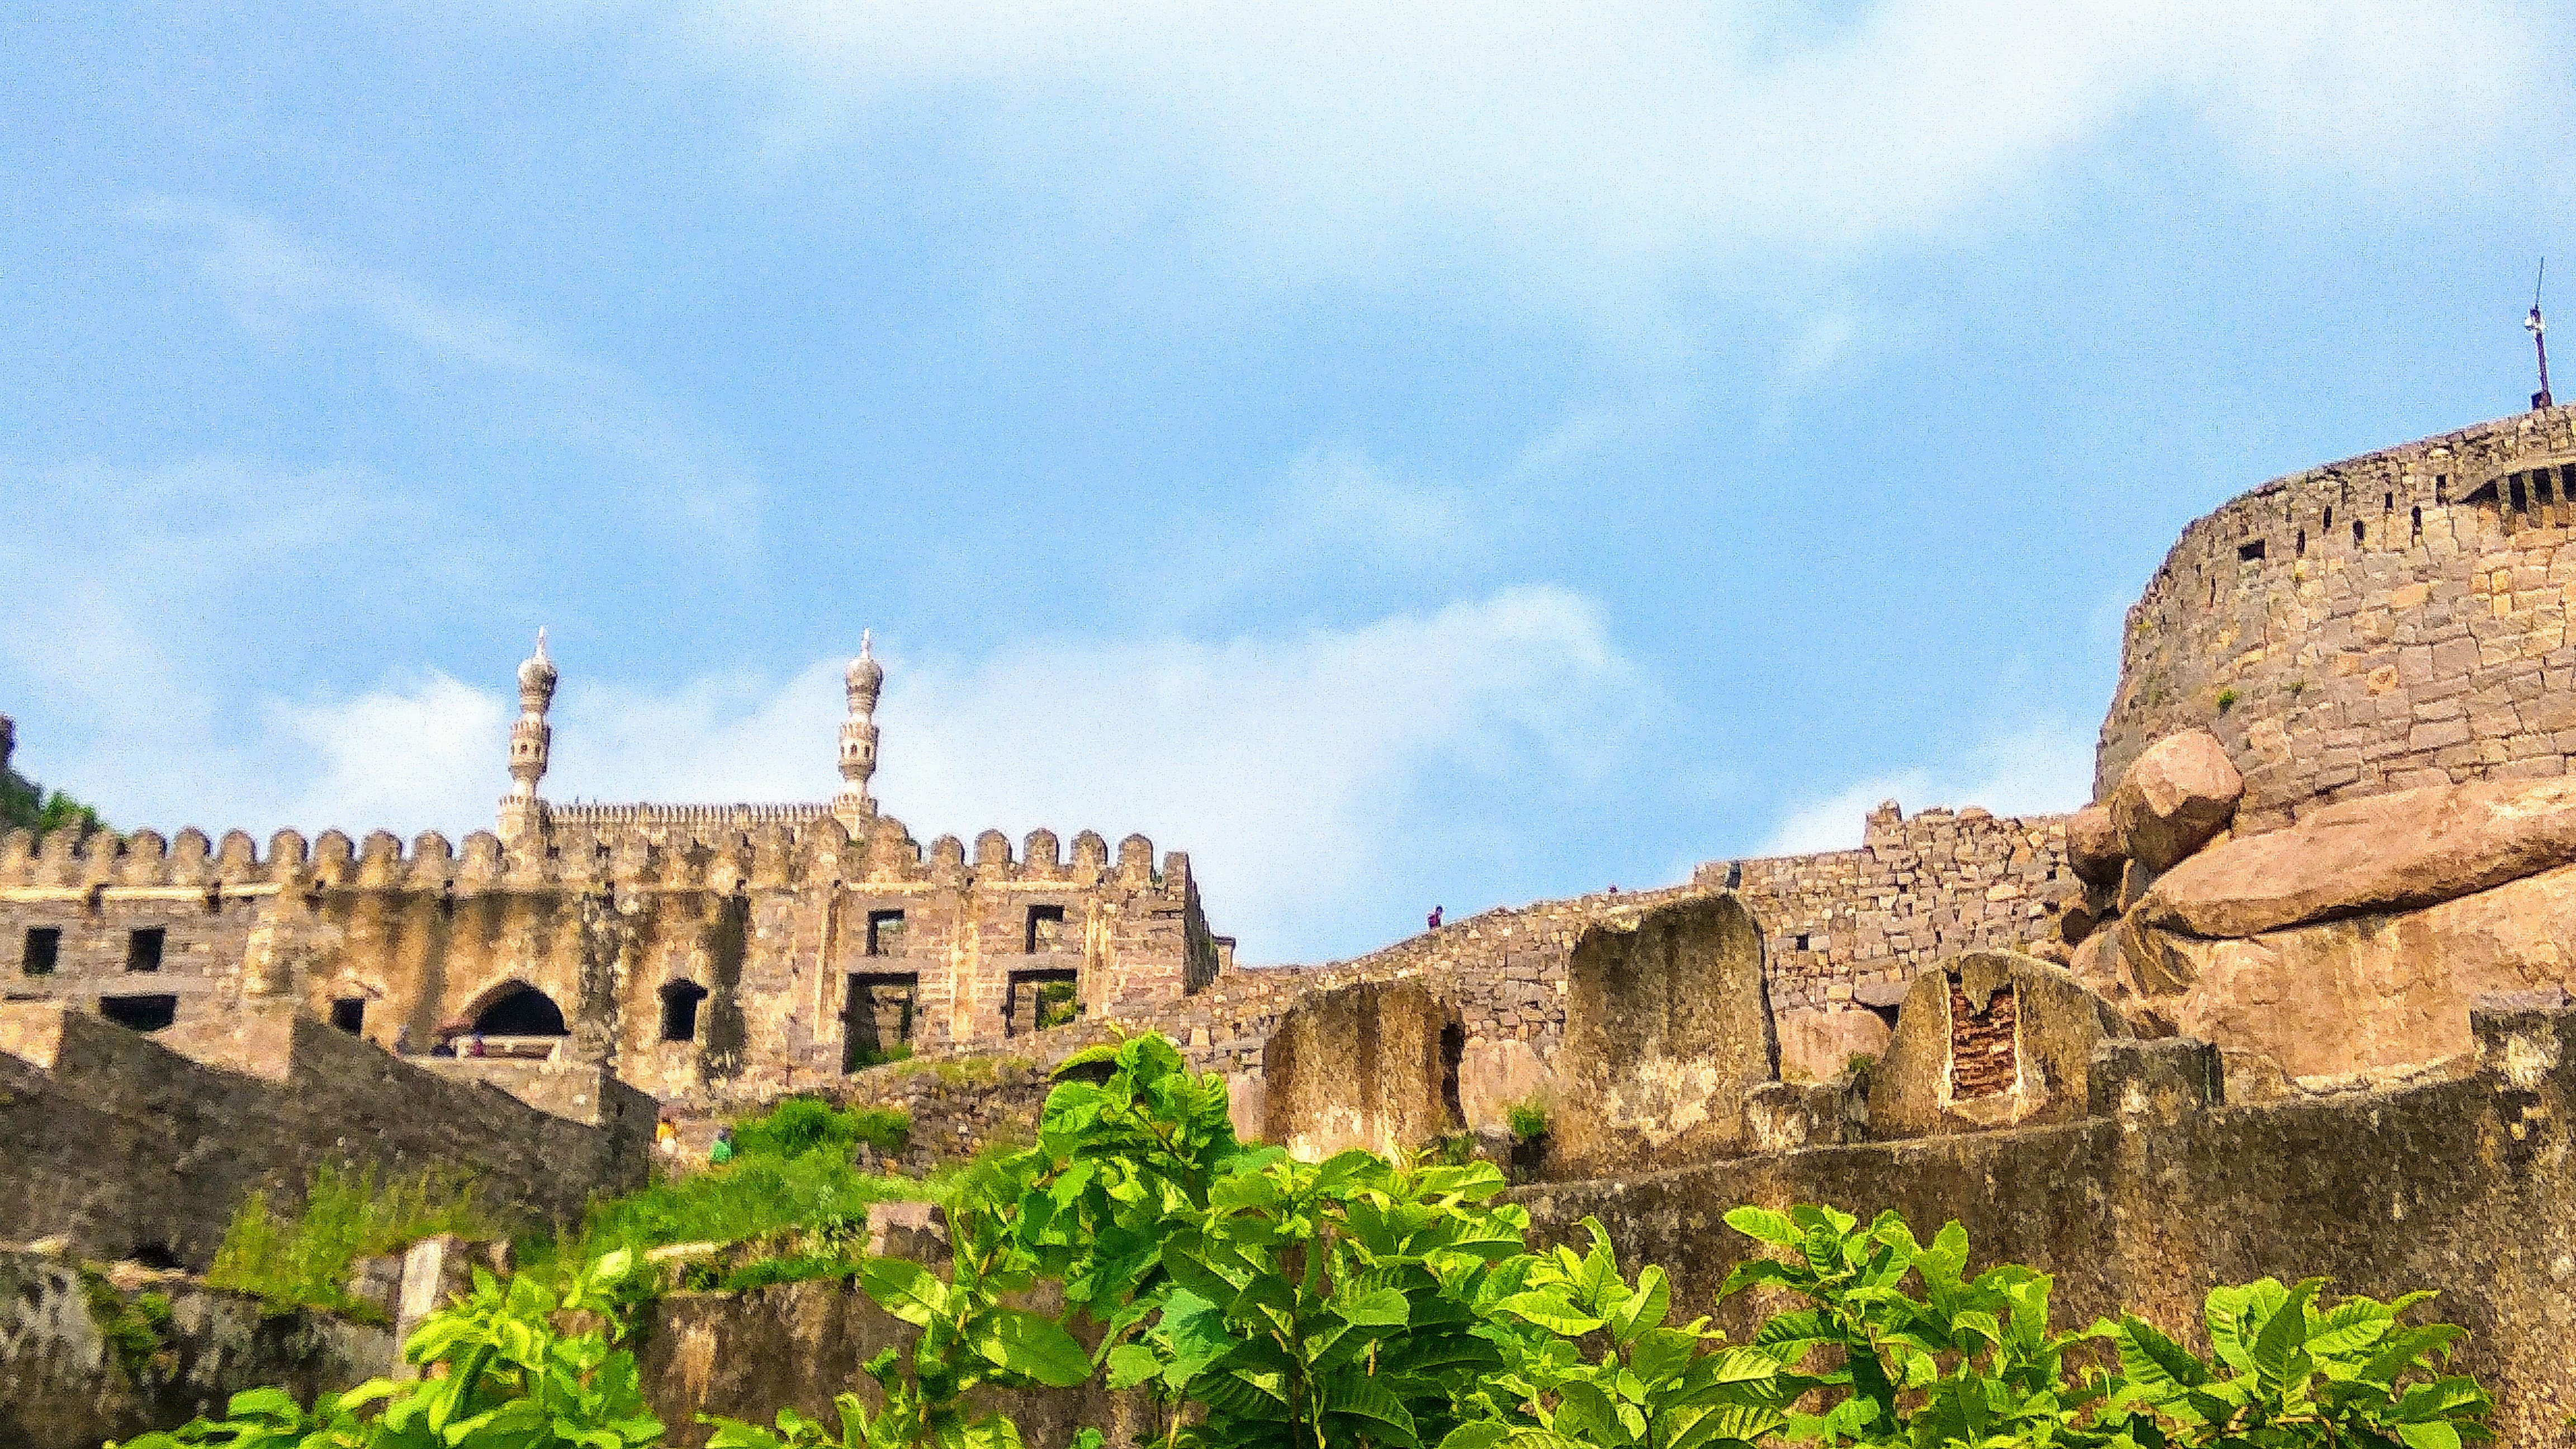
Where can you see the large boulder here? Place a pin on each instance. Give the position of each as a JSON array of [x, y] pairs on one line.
[[2093, 846], [2357, 997], [2175, 799], [2385, 853]]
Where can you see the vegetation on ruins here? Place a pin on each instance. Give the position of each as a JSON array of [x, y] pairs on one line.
[[1360, 1303], [26, 805], [135, 1330], [1527, 1118], [791, 1193], [302, 1259], [498, 1371]]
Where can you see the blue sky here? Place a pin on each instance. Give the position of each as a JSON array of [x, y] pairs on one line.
[[1459, 455]]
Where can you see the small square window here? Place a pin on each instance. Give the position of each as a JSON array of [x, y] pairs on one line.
[[349, 1013], [1046, 929], [143, 949], [1802, 940], [885, 933], [44, 948]]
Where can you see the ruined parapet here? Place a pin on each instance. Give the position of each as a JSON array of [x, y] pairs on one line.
[[2366, 626], [1989, 1039], [1667, 1029], [1374, 1065]]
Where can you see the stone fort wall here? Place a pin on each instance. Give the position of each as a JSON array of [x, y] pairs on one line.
[[782, 941], [2393, 620]]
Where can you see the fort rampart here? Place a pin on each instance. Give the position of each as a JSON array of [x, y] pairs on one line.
[[2392, 620]]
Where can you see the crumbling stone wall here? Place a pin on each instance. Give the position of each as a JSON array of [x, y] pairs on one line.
[[2161, 1192], [2392, 620], [62, 1386], [1667, 1028], [1371, 1065], [129, 1148]]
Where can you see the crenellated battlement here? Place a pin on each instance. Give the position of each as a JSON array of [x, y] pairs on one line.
[[724, 851]]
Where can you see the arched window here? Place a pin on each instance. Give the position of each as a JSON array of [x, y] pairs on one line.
[[680, 1010], [520, 1010]]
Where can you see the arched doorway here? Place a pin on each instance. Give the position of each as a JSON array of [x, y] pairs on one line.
[[519, 1009]]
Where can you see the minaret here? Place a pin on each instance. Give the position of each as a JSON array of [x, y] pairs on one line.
[[854, 807], [522, 813]]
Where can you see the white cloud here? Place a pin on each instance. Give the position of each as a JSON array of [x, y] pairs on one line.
[[1599, 154], [276, 283], [2043, 768]]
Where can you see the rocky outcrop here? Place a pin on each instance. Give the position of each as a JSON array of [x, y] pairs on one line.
[[2376, 855], [2175, 798]]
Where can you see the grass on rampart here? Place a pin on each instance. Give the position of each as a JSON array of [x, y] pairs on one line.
[[303, 1259]]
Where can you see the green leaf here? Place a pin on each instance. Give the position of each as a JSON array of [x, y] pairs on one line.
[[1131, 1364], [2276, 1346], [1767, 1226], [1038, 1347], [1365, 1397], [1549, 1310], [1645, 1308], [904, 1288], [1378, 1308]]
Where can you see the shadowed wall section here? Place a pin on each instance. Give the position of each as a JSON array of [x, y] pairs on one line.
[[1667, 1027]]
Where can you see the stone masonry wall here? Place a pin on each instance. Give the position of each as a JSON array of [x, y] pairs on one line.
[[130, 1148], [765, 928], [2161, 1192], [1917, 891], [2393, 620]]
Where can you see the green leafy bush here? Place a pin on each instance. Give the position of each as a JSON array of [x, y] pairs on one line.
[[136, 1330], [498, 1373], [800, 1125], [752, 1197], [1527, 1118], [302, 1259]]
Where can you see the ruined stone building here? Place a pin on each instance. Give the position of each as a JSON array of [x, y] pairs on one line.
[[754, 946]]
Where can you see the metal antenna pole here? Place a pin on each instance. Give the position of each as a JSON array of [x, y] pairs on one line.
[[2539, 342]]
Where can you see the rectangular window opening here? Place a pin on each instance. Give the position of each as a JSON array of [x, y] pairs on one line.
[[1802, 941], [143, 949], [44, 948], [885, 933], [349, 1014], [2249, 552], [2521, 500], [1046, 929], [876, 1018], [140, 1013], [1040, 999]]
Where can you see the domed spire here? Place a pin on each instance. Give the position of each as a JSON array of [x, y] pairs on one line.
[[537, 678], [865, 675], [864, 678]]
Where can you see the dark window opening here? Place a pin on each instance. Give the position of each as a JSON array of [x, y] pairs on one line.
[[1038, 1000], [521, 1011], [1802, 940], [2249, 552], [140, 1013], [2521, 500], [2303, 543], [44, 948], [143, 949], [2388, 501], [876, 1018], [1046, 929], [2329, 515], [2419, 520], [885, 933], [349, 1013], [214, 899], [680, 1010], [2356, 530], [1453, 1053]]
